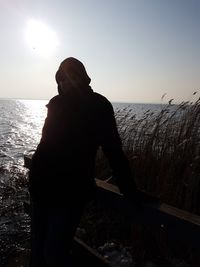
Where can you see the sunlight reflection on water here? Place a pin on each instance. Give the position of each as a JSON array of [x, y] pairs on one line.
[[21, 124]]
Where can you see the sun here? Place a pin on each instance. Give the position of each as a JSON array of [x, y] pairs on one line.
[[40, 37]]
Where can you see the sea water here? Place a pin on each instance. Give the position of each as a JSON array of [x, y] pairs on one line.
[[21, 123]]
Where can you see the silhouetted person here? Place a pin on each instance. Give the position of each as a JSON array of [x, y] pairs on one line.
[[78, 122]]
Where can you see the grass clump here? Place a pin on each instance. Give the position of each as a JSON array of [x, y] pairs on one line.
[[14, 223], [163, 148]]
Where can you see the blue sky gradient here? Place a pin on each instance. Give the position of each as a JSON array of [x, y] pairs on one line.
[[134, 50]]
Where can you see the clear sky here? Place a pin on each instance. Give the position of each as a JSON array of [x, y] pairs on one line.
[[133, 50]]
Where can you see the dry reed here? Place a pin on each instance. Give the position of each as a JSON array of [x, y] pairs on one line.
[[164, 152]]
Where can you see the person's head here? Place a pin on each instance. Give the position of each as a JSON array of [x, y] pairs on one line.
[[71, 75]]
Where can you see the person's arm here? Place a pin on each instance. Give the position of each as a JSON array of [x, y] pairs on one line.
[[112, 147]]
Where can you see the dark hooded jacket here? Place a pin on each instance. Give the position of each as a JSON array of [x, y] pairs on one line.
[[77, 124]]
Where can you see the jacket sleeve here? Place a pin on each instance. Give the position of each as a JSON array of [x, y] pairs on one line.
[[112, 147]]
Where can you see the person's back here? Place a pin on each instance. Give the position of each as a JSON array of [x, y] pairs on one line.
[[62, 172], [65, 158]]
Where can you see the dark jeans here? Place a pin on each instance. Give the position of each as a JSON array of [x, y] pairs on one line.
[[52, 233]]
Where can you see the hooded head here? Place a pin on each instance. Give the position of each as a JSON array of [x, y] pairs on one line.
[[71, 75]]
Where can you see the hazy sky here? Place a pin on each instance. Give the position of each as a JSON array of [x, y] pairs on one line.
[[133, 50]]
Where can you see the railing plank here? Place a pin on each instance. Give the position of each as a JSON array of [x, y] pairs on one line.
[[178, 224]]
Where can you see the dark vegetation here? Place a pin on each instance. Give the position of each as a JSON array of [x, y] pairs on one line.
[[164, 152], [14, 223]]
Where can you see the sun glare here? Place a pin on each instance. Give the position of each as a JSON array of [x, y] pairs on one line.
[[40, 37]]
